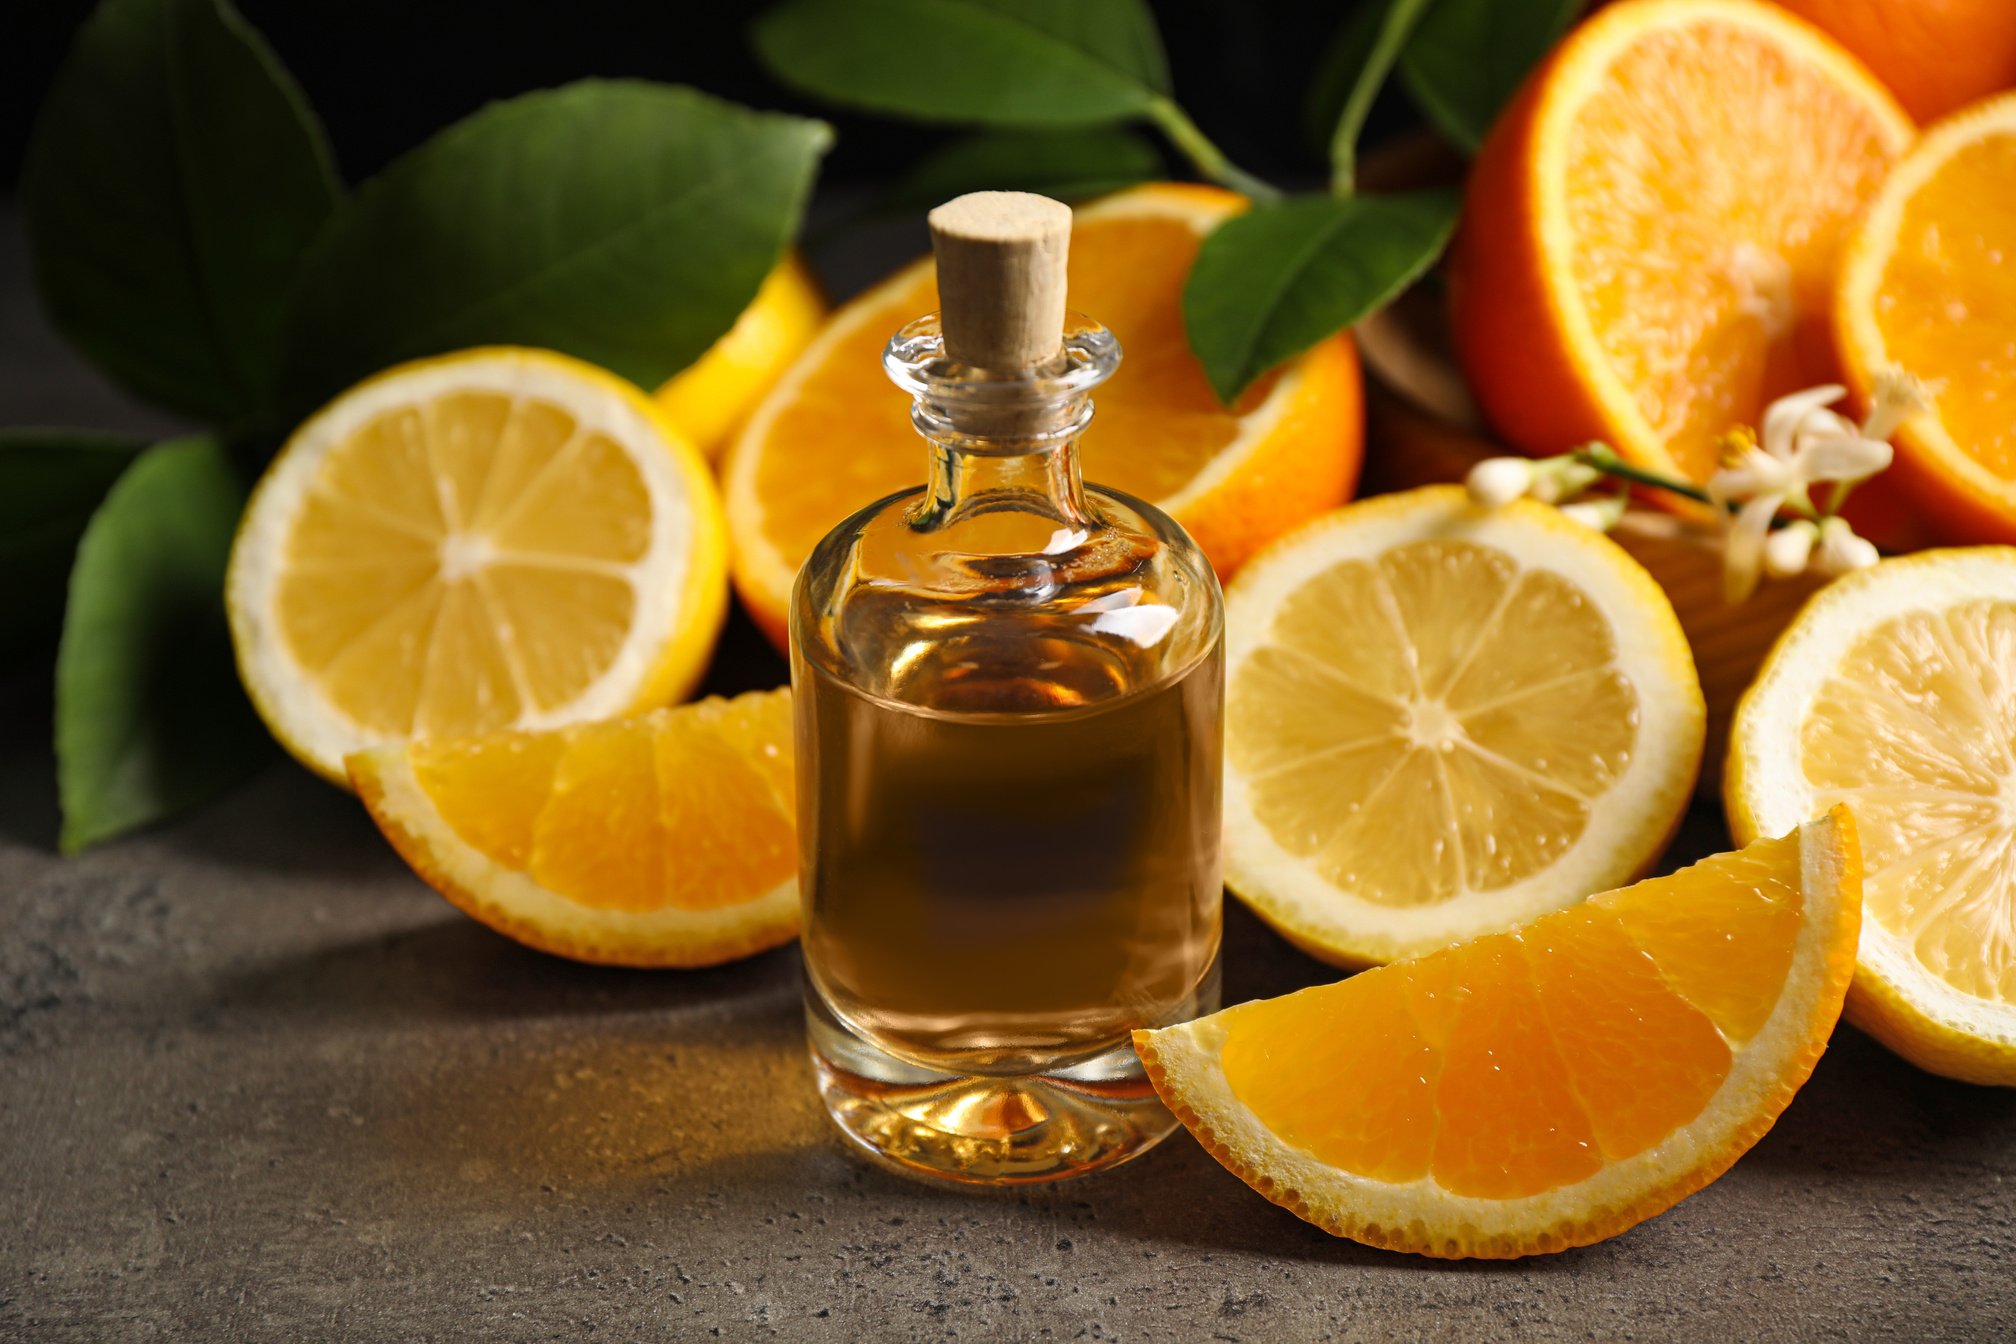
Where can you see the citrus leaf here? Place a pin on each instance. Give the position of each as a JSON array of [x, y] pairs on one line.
[[50, 482], [149, 715], [1068, 165], [1272, 282], [175, 177], [1467, 57], [1001, 62], [625, 222]]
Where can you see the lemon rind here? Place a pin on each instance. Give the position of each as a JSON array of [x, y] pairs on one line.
[[1895, 999]]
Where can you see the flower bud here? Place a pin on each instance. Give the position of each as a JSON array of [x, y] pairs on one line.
[[1498, 481], [1787, 550], [1841, 551]]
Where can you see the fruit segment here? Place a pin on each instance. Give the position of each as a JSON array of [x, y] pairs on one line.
[[1543, 1087], [662, 839]]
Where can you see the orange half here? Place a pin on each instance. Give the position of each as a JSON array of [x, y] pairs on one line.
[[1651, 230], [1928, 288]]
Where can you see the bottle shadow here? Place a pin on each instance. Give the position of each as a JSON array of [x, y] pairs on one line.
[[455, 969]]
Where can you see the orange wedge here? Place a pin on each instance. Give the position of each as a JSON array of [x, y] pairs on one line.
[[833, 435], [1651, 229], [661, 840], [1544, 1088], [1927, 288]]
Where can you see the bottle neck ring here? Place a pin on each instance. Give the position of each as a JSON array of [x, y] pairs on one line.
[[979, 411]]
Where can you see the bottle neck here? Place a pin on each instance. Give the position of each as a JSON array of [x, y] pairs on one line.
[[970, 475], [1003, 448]]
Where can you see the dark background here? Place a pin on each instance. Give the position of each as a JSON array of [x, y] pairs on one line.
[[385, 74]]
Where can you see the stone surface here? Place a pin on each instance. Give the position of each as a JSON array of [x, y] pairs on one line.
[[257, 1082]]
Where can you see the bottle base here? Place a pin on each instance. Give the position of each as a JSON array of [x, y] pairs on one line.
[[984, 1130]]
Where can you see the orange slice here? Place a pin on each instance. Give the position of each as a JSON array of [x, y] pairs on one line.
[[661, 840], [1543, 1088], [1651, 229], [1928, 287], [833, 435], [500, 538]]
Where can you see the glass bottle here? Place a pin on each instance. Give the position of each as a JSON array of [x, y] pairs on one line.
[[1009, 689]]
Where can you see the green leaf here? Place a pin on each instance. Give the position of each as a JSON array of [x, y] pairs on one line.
[[175, 177], [1467, 58], [999, 62], [1396, 22], [149, 715], [625, 222], [1069, 165], [1272, 282], [50, 482]]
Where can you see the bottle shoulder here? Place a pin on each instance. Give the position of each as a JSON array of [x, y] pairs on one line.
[[1006, 609]]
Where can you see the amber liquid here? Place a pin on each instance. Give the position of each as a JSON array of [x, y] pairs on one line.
[[1017, 875]]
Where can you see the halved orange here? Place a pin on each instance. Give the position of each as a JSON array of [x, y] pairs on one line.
[[1651, 229], [1928, 288], [833, 435], [1544, 1088], [661, 840]]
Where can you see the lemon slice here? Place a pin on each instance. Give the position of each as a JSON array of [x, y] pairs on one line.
[[1895, 692], [499, 538], [1443, 721]]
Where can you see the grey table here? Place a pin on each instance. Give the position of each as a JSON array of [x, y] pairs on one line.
[[257, 1082]]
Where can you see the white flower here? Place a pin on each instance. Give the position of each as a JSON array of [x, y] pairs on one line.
[[1899, 396], [1788, 549], [1600, 514], [1803, 444], [1841, 550], [1497, 481]]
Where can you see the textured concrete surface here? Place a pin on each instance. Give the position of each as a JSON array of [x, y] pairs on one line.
[[257, 1082]]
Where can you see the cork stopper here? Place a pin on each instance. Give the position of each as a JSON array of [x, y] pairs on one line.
[[1001, 258]]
